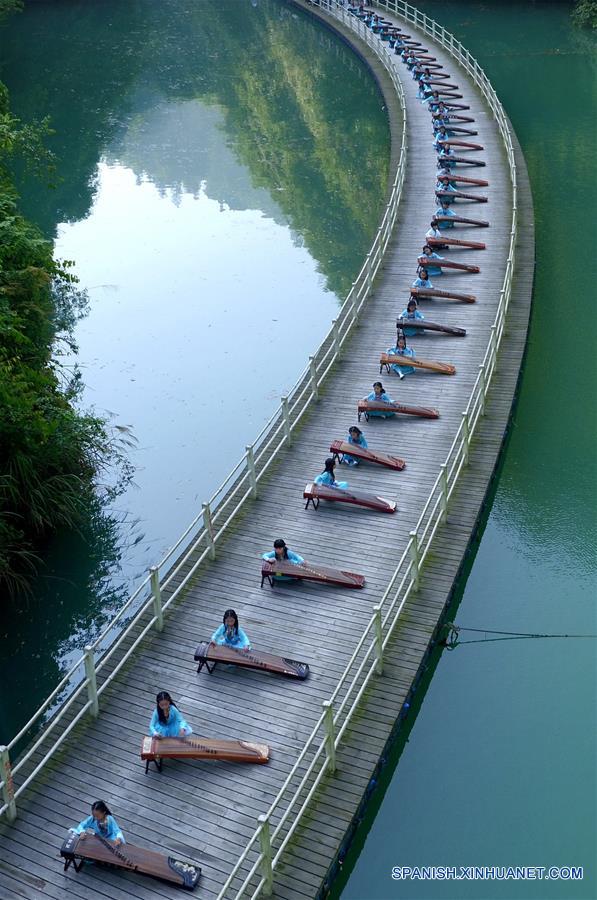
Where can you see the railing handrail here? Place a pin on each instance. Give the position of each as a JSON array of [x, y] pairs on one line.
[[266, 447], [319, 752]]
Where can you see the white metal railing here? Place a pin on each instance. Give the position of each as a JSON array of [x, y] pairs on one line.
[[253, 873], [146, 606]]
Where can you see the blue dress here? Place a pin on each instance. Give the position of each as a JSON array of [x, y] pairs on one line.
[[238, 640], [111, 831], [402, 370], [292, 557], [433, 270], [352, 460], [409, 332], [328, 479], [172, 727], [383, 398], [421, 283], [445, 212]]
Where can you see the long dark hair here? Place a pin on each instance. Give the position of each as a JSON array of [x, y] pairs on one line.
[[163, 695], [378, 384], [101, 807], [329, 465], [279, 544], [230, 614], [353, 429], [421, 270]]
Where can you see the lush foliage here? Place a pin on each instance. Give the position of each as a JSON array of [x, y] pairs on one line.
[[585, 13], [50, 454]]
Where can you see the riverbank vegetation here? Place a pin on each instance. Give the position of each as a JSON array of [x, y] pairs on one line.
[[585, 14], [50, 453]]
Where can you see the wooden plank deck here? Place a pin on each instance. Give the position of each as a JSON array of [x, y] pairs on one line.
[[207, 811]]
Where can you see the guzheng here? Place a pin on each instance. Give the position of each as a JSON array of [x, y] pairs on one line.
[[448, 94], [468, 145], [314, 493], [455, 242], [466, 179], [452, 118], [339, 448], [458, 195], [309, 572], [456, 129], [460, 220], [126, 856], [207, 653], [457, 106], [390, 359], [447, 264], [459, 159], [426, 325], [155, 750], [442, 84], [426, 293], [368, 406]]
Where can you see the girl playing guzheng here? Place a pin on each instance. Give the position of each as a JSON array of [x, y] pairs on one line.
[[422, 281], [101, 822], [230, 634], [283, 554], [401, 350], [167, 720], [411, 312], [379, 396], [355, 436], [327, 476]]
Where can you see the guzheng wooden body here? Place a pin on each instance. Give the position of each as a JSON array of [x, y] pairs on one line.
[[310, 572], [455, 242], [155, 750], [450, 106], [426, 325], [430, 293], [465, 179], [442, 84], [447, 264], [460, 159], [452, 118], [459, 195], [126, 856], [207, 653], [468, 145], [390, 359], [314, 493], [368, 406], [460, 220], [455, 129], [449, 95], [339, 448]]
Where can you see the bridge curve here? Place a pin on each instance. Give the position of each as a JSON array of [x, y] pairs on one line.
[[208, 812]]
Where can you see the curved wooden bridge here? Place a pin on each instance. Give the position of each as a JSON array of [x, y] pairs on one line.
[[366, 648]]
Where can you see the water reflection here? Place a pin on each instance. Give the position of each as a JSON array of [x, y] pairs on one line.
[[221, 166]]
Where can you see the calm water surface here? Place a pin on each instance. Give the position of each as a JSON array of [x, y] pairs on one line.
[[222, 168], [499, 768]]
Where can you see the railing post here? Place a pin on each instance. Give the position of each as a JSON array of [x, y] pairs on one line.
[[336, 337], [483, 387], [209, 529], [415, 564], [154, 576], [368, 272], [378, 640], [466, 436], [330, 739], [286, 420], [89, 663], [443, 483], [265, 845], [313, 373], [8, 791], [251, 470]]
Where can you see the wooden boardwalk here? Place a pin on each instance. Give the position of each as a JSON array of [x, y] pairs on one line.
[[207, 812]]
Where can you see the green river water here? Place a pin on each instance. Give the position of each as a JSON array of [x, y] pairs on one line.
[[253, 144]]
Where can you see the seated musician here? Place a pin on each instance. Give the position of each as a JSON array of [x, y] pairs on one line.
[[411, 312], [444, 184], [167, 720], [355, 436], [432, 101], [428, 253], [327, 476], [380, 396], [424, 91], [402, 350], [282, 553], [101, 822], [441, 135], [444, 210], [230, 634], [422, 280]]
